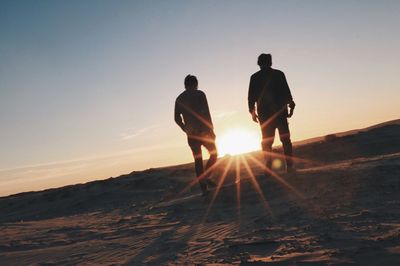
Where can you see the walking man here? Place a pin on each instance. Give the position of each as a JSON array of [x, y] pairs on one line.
[[193, 116], [268, 100]]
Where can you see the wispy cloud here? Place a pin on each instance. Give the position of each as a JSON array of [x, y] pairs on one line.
[[57, 164], [133, 133], [225, 114]]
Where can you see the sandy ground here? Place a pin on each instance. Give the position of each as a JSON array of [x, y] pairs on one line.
[[342, 207]]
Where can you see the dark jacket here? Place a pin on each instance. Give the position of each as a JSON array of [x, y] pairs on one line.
[[192, 106], [270, 91]]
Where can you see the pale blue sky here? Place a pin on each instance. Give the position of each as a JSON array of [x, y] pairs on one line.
[[87, 88]]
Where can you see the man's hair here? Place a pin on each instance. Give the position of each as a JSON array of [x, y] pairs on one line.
[[264, 60], [190, 81]]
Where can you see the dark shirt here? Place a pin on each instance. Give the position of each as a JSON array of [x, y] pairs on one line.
[[192, 106], [269, 89]]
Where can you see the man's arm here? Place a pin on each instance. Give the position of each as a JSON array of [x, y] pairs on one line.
[[288, 95], [178, 116], [206, 112], [251, 100]]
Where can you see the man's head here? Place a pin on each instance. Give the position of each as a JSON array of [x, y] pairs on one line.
[[191, 82], [264, 60]]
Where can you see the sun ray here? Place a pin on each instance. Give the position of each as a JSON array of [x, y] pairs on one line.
[[256, 185], [202, 119], [295, 159], [219, 185], [205, 139], [202, 176], [315, 207], [269, 120], [276, 176], [237, 182]]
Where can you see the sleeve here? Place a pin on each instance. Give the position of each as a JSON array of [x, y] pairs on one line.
[[252, 96], [206, 112], [286, 91], [177, 115]]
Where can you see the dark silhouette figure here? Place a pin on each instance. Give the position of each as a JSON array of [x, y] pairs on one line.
[[191, 106], [268, 99]]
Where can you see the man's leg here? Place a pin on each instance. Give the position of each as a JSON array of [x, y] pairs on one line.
[[195, 146], [268, 135], [284, 135], [209, 144]]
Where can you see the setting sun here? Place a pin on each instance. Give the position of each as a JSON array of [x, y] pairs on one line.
[[237, 141]]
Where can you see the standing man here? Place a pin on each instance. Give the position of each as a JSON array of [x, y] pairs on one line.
[[269, 98], [193, 116]]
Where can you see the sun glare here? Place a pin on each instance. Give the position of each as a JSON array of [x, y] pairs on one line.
[[237, 141]]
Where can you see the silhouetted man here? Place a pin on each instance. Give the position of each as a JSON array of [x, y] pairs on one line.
[[268, 99], [192, 106]]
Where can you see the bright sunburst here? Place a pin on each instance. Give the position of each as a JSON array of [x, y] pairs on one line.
[[237, 141]]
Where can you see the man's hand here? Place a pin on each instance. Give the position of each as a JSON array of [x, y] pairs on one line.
[[292, 105], [254, 116], [212, 134]]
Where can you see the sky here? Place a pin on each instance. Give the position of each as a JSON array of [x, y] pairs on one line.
[[87, 88]]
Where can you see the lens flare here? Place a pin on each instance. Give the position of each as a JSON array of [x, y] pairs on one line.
[[277, 164]]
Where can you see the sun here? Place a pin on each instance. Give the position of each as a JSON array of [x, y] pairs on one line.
[[236, 141]]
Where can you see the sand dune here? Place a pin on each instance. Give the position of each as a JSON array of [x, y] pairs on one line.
[[341, 207]]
